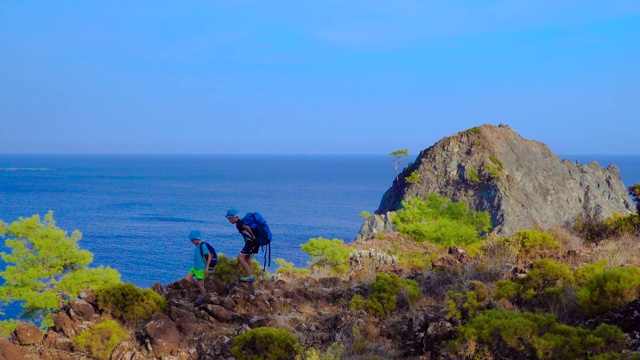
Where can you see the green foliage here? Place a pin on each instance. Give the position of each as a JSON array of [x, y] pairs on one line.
[[397, 156], [365, 214], [287, 268], [230, 270], [609, 288], [473, 175], [494, 168], [129, 303], [441, 221], [474, 130], [357, 302], [386, 288], [542, 287], [100, 341], [464, 306], [46, 267], [534, 244], [325, 252], [413, 178], [7, 326], [534, 336], [265, 343], [583, 274], [335, 351]]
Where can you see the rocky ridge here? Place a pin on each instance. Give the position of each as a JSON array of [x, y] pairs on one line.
[[520, 182]]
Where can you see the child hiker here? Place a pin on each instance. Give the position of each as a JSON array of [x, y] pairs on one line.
[[200, 264], [250, 248]]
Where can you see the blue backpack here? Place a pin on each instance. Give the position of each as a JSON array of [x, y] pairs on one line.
[[214, 256], [261, 230]]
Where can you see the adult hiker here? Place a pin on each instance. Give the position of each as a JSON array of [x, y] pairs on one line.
[[201, 261], [250, 248]]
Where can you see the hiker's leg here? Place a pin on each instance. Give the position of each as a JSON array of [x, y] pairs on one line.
[[203, 291], [189, 278], [246, 265]]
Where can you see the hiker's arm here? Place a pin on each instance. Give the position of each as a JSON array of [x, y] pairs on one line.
[[209, 256], [248, 230]]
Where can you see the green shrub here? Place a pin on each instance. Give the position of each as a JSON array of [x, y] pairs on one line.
[[230, 270], [494, 168], [464, 306], [517, 335], [265, 343], [586, 272], [474, 130], [535, 244], [357, 302], [441, 221], [327, 253], [386, 288], [609, 288], [287, 268], [413, 178], [473, 175], [129, 303], [365, 214], [542, 288], [7, 326], [100, 341]]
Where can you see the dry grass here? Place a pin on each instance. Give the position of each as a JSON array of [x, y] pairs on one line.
[[619, 251]]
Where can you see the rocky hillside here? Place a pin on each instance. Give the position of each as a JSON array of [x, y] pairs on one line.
[[520, 182]]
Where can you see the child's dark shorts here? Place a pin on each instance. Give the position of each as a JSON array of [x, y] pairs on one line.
[[250, 247]]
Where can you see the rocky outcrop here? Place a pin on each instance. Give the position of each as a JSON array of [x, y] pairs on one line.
[[520, 182]]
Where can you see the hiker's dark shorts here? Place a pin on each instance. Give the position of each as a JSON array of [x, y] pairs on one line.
[[250, 247]]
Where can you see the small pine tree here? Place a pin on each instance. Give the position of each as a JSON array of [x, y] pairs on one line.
[[397, 156], [46, 267]]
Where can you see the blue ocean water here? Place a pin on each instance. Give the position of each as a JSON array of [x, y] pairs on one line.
[[135, 211]]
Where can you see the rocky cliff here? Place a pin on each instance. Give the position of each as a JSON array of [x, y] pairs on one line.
[[520, 182]]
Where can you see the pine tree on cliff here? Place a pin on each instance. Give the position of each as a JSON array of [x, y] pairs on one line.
[[397, 156]]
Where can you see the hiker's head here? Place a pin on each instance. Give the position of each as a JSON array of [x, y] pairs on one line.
[[195, 235], [232, 216]]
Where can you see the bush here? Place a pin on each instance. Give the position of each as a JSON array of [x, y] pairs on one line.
[[535, 244], [473, 175], [543, 288], [357, 302], [586, 272], [413, 178], [517, 335], [265, 343], [100, 341], [464, 306], [129, 303], [327, 253], [441, 221], [386, 288], [287, 268], [230, 270], [609, 288]]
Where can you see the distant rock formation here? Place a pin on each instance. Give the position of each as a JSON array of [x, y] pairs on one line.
[[520, 182]]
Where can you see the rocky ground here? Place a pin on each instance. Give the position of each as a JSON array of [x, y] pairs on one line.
[[314, 308]]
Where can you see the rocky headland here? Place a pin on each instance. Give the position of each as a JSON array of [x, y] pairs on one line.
[[520, 182]]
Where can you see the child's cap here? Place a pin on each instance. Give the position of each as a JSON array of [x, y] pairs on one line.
[[195, 235], [231, 213]]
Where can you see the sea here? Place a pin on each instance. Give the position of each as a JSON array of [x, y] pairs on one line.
[[135, 211]]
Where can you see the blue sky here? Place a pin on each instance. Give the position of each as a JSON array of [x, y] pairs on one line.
[[328, 77]]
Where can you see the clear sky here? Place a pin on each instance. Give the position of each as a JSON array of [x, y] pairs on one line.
[[328, 77]]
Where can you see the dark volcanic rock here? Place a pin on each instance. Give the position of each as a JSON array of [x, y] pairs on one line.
[[520, 182]]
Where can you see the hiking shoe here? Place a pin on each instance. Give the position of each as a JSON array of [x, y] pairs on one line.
[[249, 278], [199, 301]]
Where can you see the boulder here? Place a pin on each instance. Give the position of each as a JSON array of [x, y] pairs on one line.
[[82, 310], [27, 334], [163, 334], [63, 324], [9, 351]]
